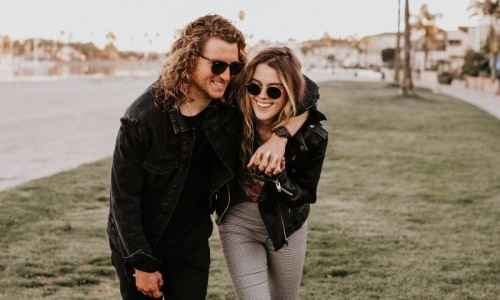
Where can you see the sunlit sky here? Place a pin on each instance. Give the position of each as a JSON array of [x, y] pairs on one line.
[[149, 25]]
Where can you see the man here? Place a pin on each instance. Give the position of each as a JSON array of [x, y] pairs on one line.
[[176, 150]]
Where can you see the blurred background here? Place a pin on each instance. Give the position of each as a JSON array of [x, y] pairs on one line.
[[61, 38]]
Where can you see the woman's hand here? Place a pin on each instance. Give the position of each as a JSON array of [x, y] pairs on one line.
[[276, 166], [269, 157]]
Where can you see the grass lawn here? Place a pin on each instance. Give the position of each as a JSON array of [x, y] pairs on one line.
[[408, 208]]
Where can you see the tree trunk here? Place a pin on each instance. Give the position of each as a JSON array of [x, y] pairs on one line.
[[493, 48], [407, 87], [426, 53], [397, 57]]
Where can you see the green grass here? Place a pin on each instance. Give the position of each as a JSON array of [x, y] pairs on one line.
[[408, 208]]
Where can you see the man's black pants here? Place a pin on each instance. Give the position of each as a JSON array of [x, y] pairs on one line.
[[184, 276]]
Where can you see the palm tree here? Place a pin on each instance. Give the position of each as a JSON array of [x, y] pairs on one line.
[[427, 22], [56, 44], [491, 9], [111, 37], [397, 56], [110, 51], [407, 87]]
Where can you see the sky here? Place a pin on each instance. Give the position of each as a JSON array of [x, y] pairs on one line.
[[150, 25]]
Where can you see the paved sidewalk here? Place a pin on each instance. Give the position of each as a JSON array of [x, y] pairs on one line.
[[485, 101]]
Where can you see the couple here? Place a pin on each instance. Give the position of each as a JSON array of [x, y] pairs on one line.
[[185, 148]]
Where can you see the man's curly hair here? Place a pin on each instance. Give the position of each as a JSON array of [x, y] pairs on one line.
[[175, 77]]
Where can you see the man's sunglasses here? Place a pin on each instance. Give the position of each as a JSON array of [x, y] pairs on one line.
[[273, 92], [218, 67]]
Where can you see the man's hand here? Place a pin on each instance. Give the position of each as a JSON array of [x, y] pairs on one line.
[[149, 283], [269, 157]]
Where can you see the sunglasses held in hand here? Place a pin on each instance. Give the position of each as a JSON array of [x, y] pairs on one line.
[[218, 66], [272, 91]]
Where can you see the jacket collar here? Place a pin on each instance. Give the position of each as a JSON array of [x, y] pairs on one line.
[[179, 123]]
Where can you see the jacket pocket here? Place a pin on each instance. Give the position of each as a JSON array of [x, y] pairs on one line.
[[161, 165], [159, 176], [159, 172]]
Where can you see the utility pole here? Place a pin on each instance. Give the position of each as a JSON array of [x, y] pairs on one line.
[[407, 87], [397, 54]]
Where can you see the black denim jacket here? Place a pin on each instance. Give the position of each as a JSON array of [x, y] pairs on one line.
[[150, 164]]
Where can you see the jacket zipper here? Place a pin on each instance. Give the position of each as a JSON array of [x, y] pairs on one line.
[[216, 193], [224, 163], [282, 221], [282, 189], [228, 203]]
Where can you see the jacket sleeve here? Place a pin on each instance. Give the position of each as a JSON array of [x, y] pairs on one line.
[[300, 189], [310, 102], [127, 179]]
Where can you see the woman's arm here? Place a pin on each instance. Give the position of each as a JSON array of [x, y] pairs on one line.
[[268, 155]]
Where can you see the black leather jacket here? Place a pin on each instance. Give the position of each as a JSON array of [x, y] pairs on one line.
[[284, 201], [150, 164]]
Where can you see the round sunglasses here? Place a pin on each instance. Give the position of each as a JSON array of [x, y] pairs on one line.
[[218, 66], [273, 92]]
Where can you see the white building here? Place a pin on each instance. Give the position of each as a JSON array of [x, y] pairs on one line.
[[372, 54], [68, 53], [328, 53]]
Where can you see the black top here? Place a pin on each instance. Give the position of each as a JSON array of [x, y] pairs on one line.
[[190, 221]]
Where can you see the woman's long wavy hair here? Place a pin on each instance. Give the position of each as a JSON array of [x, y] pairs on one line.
[[175, 76], [289, 71]]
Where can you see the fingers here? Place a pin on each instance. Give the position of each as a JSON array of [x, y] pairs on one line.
[[156, 293], [149, 283], [152, 291], [265, 161], [260, 159], [251, 162], [272, 165], [279, 167], [255, 159], [264, 155]]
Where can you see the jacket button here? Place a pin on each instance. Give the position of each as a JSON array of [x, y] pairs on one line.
[[312, 125], [174, 186], [301, 148]]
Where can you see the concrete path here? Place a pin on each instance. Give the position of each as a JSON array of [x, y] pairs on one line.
[[490, 103]]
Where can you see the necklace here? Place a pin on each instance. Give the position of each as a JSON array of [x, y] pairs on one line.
[[189, 111]]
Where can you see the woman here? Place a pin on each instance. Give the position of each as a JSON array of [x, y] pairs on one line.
[[263, 227]]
